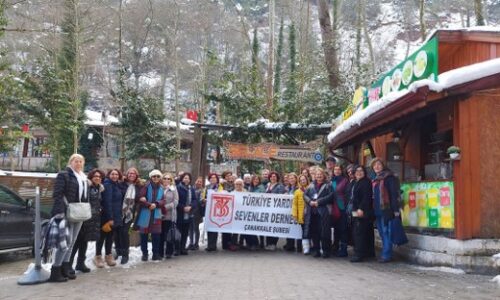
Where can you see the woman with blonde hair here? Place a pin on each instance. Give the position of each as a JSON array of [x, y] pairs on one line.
[[293, 185], [319, 197], [71, 186], [299, 212], [169, 216]]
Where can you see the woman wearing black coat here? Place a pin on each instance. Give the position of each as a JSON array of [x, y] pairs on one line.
[[319, 197], [362, 216], [185, 208], [274, 187], [71, 186], [91, 228]]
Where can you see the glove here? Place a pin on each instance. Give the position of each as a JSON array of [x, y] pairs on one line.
[[106, 227]]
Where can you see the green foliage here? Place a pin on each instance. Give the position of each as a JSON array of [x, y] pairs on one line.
[[291, 109], [143, 131], [89, 147], [279, 57]]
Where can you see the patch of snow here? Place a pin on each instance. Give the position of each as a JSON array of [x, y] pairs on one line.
[[496, 279], [445, 80], [496, 256], [187, 121], [28, 174], [173, 124], [95, 118], [442, 269]]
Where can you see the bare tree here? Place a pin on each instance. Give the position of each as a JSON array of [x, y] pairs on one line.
[[328, 44], [478, 9], [270, 64]]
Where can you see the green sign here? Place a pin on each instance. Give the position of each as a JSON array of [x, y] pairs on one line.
[[422, 64], [429, 204]]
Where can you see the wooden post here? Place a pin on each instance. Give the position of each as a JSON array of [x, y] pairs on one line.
[[197, 156]]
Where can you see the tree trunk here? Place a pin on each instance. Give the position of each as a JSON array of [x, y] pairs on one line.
[[270, 64], [368, 39], [328, 44], [422, 19], [357, 58], [478, 9]]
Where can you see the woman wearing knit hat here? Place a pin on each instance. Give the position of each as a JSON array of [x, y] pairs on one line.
[[151, 202]]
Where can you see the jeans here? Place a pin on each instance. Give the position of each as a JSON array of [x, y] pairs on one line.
[[61, 256], [340, 227], [155, 238], [384, 231], [106, 239], [122, 239]]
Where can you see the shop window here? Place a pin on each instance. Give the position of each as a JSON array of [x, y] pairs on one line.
[[434, 145], [37, 149]]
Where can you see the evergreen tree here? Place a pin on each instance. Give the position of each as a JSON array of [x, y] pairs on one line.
[[254, 72], [279, 57], [291, 108]]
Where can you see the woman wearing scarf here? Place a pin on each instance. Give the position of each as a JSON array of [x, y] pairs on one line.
[[274, 187], [169, 215], [91, 228], [319, 197], [194, 226], [132, 187], [339, 183], [71, 185], [386, 204], [215, 186], [362, 215], [187, 203], [150, 205], [293, 186]]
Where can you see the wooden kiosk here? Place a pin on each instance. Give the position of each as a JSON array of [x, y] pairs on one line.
[[411, 119]]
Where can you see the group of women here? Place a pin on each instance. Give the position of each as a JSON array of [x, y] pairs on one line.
[[167, 209]]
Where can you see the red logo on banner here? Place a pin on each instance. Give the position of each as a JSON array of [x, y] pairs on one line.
[[444, 196], [412, 201], [192, 115], [221, 212]]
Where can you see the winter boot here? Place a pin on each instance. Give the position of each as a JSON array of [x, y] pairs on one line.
[[306, 246], [80, 265], [124, 259], [56, 275], [98, 261], [342, 251], [110, 261], [67, 271]]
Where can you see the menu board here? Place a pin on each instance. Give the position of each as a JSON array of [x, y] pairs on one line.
[[429, 204]]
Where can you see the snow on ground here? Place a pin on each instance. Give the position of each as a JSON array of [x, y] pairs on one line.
[[441, 269], [496, 279]]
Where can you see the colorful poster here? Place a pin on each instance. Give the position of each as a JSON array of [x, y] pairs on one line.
[[251, 213], [428, 204]]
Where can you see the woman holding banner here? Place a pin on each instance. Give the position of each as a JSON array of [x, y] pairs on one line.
[[293, 182], [215, 186], [319, 197], [299, 211], [274, 187], [151, 202]]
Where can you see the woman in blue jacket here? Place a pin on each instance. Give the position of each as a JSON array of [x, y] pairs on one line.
[[112, 203]]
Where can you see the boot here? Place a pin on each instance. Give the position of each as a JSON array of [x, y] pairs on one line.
[[80, 265], [124, 258], [98, 261], [110, 261], [56, 275], [343, 250], [67, 271], [306, 246]]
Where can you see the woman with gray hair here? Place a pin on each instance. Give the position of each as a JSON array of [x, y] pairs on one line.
[[71, 186]]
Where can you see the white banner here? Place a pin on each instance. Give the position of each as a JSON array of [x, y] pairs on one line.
[[251, 213]]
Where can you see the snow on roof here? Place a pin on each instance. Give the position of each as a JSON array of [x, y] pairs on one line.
[[445, 80], [172, 124], [28, 174], [278, 125], [95, 118]]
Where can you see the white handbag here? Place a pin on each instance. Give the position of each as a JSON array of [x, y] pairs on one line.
[[77, 211]]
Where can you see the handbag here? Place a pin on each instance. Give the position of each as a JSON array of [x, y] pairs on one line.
[[398, 234], [173, 234], [77, 211]]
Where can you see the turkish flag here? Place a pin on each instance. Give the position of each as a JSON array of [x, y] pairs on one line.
[[26, 127], [192, 115]]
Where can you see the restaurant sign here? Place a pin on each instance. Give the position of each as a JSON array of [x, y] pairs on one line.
[[429, 204], [266, 151]]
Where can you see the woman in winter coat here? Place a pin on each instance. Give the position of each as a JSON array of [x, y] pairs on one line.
[[194, 227], [149, 218], [131, 187], [362, 216], [386, 204], [215, 186], [112, 202], [274, 187], [339, 183], [187, 203], [91, 228], [298, 210], [319, 197], [71, 186], [169, 216], [293, 185], [256, 185]]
